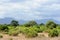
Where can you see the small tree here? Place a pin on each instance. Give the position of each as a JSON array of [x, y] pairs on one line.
[[42, 24], [30, 23], [4, 27], [14, 23], [53, 33], [51, 24]]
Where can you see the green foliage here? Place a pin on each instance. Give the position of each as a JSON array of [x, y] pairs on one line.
[[14, 23], [47, 30], [1, 36], [36, 28], [23, 29], [42, 28], [11, 39], [42, 24], [31, 33], [13, 31], [3, 27], [58, 29], [31, 29], [53, 33], [51, 24], [30, 23]]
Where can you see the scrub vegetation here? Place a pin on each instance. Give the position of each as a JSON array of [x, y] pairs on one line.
[[30, 29]]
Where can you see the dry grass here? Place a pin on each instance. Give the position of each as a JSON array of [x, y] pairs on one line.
[[41, 36]]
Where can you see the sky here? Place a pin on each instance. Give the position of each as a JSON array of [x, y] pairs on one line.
[[30, 9]]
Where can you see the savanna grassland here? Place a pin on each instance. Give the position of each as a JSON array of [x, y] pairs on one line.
[[30, 31]]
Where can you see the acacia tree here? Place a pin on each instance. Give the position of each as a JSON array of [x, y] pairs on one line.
[[14, 23], [51, 24]]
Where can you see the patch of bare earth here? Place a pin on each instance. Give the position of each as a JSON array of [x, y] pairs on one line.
[[41, 36]]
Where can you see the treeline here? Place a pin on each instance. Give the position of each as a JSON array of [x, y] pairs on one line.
[[31, 28]]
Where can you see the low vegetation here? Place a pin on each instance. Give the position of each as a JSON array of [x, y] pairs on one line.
[[1, 36], [53, 33], [11, 39], [30, 29]]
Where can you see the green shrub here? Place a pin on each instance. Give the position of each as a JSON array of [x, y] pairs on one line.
[[42, 29], [30, 23], [3, 28], [47, 31], [1, 36], [11, 39], [58, 29], [23, 29], [53, 33], [14, 23], [13, 32], [35, 28], [31, 33], [51, 24]]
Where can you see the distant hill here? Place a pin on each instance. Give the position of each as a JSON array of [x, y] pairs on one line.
[[8, 20], [45, 20], [5, 20]]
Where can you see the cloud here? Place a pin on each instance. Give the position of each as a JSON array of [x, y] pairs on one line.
[[29, 9]]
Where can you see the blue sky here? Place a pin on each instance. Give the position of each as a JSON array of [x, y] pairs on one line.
[[30, 9]]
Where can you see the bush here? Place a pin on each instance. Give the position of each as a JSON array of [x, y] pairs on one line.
[[31, 33], [3, 28], [30, 23], [35, 28], [14, 23], [11, 39], [58, 29], [13, 32], [23, 29], [1, 36], [47, 31], [50, 24], [42, 29], [53, 33]]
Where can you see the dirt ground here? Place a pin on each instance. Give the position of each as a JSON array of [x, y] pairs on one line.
[[41, 36]]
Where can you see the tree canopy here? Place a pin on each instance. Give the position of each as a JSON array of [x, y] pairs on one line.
[[14, 23], [51, 24], [30, 23]]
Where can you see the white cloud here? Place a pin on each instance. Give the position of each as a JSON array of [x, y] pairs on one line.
[[26, 9], [3, 1], [52, 7], [56, 18]]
